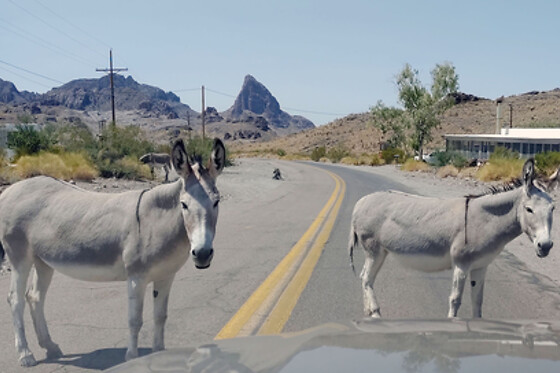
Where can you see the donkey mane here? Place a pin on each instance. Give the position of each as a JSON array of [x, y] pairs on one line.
[[497, 189]]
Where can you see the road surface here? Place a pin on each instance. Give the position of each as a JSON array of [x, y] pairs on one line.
[[261, 221]]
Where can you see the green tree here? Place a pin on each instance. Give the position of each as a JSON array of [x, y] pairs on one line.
[[413, 124]]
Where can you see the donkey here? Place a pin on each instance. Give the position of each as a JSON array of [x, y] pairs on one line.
[[136, 236], [465, 234], [160, 159]]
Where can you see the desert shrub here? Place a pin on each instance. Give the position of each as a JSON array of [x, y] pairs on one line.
[[500, 169], [318, 153], [447, 171], [26, 140], [64, 166], [503, 165], [337, 153], [77, 139], [413, 165], [547, 162], [280, 152], [444, 158], [350, 161], [7, 176], [389, 154], [202, 147]]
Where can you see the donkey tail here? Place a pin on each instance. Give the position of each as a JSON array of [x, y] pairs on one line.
[[353, 240]]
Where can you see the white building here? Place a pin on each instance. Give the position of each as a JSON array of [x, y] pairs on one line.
[[525, 141]]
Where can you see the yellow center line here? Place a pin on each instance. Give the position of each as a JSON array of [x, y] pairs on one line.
[[279, 274], [289, 298]]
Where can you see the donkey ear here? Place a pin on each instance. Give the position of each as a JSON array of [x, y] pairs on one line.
[[528, 173], [180, 159], [218, 157], [552, 181]]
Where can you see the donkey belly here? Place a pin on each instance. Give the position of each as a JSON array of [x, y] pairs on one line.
[[90, 271], [424, 262]]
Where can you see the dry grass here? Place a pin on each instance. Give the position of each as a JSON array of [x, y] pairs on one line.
[[412, 165], [65, 166], [500, 170], [447, 171]]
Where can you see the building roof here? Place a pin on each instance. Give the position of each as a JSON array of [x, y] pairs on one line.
[[514, 134]]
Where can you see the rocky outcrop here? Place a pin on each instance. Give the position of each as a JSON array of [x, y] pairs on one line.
[[255, 98], [10, 95]]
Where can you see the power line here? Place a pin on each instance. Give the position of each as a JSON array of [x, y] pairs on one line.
[[55, 28], [43, 43], [73, 25], [31, 72], [24, 77]]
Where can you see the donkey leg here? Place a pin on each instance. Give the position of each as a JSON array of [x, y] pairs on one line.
[[161, 299], [369, 272], [477, 289], [16, 299], [136, 290], [36, 294], [459, 277]]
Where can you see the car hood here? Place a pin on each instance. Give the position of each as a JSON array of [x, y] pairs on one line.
[[374, 345]]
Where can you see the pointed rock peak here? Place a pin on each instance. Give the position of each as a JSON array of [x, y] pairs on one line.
[[255, 97]]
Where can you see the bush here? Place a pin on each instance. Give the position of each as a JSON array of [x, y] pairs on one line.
[[547, 162], [500, 169], [64, 166], [389, 154], [441, 159], [447, 171], [281, 152], [318, 153], [337, 153], [413, 165], [26, 140]]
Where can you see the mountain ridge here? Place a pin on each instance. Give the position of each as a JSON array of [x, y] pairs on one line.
[[136, 103]]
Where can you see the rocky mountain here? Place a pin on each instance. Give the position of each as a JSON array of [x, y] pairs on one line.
[[255, 114], [255, 99], [95, 94], [10, 94]]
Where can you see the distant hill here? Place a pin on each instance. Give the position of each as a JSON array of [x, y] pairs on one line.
[[255, 114], [471, 114]]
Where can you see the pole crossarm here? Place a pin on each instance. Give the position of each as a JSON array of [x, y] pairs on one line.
[[111, 70]]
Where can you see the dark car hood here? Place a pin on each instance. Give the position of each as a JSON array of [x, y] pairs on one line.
[[374, 345]]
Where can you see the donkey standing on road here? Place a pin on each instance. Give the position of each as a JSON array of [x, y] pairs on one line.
[[158, 159], [465, 234], [136, 236]]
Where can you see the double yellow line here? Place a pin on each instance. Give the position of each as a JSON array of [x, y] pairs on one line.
[[268, 309]]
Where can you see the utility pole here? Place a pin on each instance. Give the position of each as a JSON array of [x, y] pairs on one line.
[[111, 70], [203, 114]]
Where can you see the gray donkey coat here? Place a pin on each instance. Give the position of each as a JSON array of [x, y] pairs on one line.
[[136, 236], [463, 234]]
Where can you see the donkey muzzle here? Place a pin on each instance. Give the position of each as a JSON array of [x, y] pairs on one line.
[[543, 248], [202, 257]]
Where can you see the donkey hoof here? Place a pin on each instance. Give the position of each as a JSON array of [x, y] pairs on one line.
[[54, 352], [131, 355], [28, 360]]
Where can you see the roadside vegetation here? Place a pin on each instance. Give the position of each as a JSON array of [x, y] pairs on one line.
[[71, 152]]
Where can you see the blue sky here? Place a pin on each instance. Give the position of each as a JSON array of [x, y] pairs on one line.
[[320, 59]]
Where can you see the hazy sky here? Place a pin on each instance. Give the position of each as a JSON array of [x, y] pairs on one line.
[[320, 59]]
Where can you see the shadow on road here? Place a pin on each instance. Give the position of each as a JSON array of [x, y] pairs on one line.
[[99, 359]]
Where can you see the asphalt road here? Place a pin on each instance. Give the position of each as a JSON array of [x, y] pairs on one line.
[[260, 220]]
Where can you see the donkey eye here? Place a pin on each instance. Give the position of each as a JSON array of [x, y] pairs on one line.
[[184, 205], [216, 203], [529, 210]]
